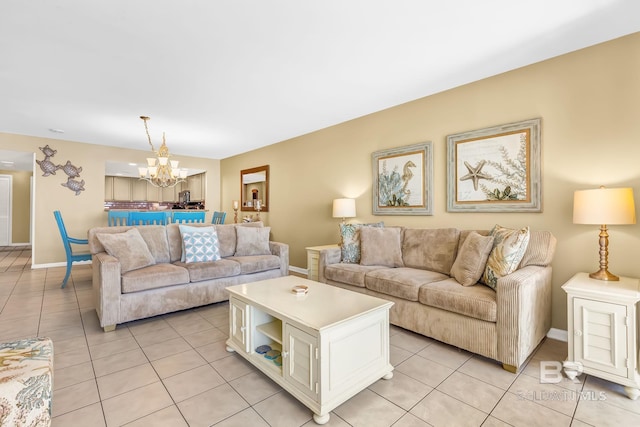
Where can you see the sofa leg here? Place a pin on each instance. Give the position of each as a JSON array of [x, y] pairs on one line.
[[510, 368], [109, 328]]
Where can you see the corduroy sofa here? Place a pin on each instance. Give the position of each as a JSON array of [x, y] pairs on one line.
[[132, 286], [505, 324]]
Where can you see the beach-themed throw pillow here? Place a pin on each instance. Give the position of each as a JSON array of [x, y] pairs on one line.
[[350, 241], [129, 247], [509, 247]]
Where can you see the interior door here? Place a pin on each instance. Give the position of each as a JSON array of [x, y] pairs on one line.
[[5, 209]]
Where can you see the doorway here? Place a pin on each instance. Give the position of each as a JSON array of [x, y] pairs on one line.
[[16, 197], [6, 184]]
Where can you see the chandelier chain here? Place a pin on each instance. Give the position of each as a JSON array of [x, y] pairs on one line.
[[146, 128]]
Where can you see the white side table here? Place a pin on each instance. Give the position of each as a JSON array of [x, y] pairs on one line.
[[313, 255], [603, 328]]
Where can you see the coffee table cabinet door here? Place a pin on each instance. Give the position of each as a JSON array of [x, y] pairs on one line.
[[238, 321], [300, 361]]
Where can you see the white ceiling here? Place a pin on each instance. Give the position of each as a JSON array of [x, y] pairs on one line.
[[225, 77]]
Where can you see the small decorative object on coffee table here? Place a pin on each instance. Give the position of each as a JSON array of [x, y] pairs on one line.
[[603, 329], [322, 353]]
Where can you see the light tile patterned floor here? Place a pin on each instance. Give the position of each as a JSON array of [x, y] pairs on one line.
[[173, 370]]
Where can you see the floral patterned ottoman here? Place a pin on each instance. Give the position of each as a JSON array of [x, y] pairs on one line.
[[26, 381]]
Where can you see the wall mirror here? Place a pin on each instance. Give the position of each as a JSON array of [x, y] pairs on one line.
[[254, 189]]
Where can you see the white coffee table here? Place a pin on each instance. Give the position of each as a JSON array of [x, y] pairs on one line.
[[334, 343]]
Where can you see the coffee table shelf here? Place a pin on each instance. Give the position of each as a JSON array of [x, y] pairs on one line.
[[330, 352], [272, 330]]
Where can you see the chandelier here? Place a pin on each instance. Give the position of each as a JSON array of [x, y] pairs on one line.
[[160, 171]]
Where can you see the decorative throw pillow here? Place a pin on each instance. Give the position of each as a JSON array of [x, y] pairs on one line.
[[470, 262], [200, 244], [381, 246], [129, 247], [185, 229], [252, 241], [509, 247], [350, 241]]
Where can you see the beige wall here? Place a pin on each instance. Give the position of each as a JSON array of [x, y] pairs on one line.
[[21, 201], [588, 102], [87, 209]]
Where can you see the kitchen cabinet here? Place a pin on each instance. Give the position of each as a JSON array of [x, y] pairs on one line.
[[121, 188]]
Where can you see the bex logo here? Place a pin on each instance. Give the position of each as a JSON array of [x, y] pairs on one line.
[[551, 371]]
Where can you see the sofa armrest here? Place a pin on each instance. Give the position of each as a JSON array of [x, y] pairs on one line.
[[523, 312], [282, 251], [327, 257], [106, 288]]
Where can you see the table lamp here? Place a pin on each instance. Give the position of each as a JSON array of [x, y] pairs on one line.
[[344, 208], [604, 206]]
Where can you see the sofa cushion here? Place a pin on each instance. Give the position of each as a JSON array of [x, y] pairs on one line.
[[129, 248], [154, 276], [155, 236], [200, 244], [252, 241], [509, 246], [381, 246], [401, 282], [350, 241], [256, 263], [226, 239], [472, 257], [208, 270], [430, 249], [351, 274], [540, 250], [478, 302], [227, 236]]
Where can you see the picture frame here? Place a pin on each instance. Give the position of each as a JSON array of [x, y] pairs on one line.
[[496, 169], [403, 180]]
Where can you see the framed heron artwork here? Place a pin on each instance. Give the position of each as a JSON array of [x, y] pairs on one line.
[[403, 180]]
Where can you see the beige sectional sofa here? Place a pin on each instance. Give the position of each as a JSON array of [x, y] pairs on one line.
[[130, 284], [505, 324]]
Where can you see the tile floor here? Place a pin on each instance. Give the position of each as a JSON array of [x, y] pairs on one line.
[[173, 370]]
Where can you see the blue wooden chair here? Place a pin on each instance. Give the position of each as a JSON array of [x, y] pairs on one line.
[[148, 218], [188, 217], [116, 218], [72, 256], [218, 217]]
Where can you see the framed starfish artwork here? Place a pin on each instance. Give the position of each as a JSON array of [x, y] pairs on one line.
[[403, 180], [496, 169]]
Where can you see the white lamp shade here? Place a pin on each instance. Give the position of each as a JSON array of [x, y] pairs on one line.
[[344, 208], [604, 206]]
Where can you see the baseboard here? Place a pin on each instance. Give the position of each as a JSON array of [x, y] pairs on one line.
[[558, 334], [298, 270], [57, 264]]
